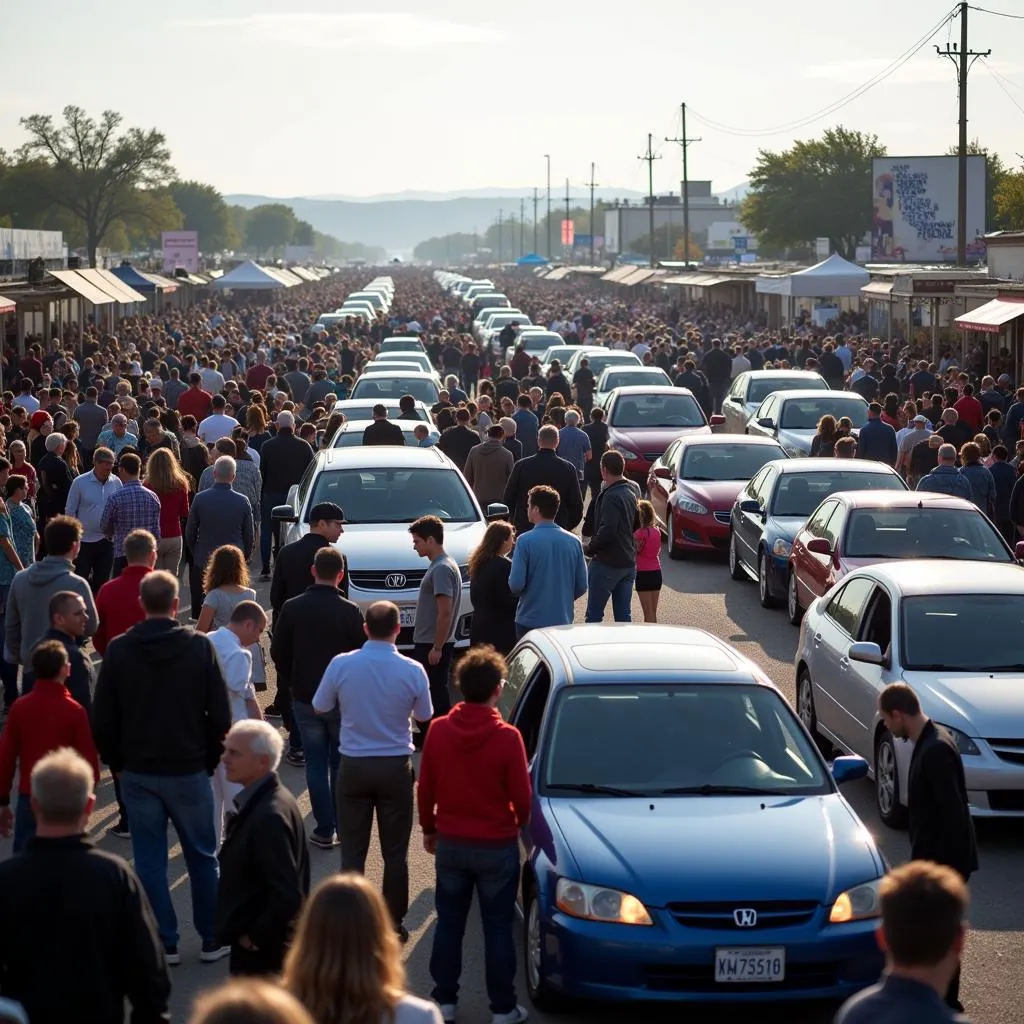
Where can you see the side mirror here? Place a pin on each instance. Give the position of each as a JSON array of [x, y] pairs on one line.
[[866, 653], [767, 422], [819, 546], [847, 769], [664, 473], [751, 506], [717, 420], [283, 514], [496, 510]]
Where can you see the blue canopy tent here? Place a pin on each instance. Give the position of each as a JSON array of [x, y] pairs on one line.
[[131, 277], [531, 259]]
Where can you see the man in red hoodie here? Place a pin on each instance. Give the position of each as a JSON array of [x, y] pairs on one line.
[[474, 797]]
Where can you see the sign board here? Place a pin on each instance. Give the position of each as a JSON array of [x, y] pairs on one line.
[[28, 244], [582, 241], [181, 250], [739, 243], [568, 232], [915, 209], [822, 248]]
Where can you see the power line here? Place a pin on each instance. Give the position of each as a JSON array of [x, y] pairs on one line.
[[999, 14], [843, 101], [998, 79], [650, 157]]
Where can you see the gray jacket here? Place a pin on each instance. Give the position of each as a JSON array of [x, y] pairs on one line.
[[28, 603], [219, 516], [615, 521], [247, 481]]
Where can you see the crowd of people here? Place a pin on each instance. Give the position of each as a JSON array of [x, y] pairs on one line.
[[136, 455]]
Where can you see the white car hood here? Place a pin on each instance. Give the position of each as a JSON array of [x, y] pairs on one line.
[[980, 704], [374, 546]]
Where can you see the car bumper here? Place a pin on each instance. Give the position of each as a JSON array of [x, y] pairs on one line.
[[995, 788], [590, 960], [638, 470], [701, 533], [778, 575], [406, 601]]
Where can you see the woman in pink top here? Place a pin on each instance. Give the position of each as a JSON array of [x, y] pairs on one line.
[[648, 561]]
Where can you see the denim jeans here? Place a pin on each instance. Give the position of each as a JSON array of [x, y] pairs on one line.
[[187, 800], [493, 873], [24, 823], [267, 529], [603, 582], [320, 742]]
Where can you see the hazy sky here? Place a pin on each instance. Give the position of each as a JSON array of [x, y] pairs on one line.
[[313, 97]]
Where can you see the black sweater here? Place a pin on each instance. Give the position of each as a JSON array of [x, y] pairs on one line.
[[494, 606]]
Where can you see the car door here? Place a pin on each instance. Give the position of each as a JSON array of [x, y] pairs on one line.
[[830, 671], [733, 405], [659, 490], [528, 717], [748, 526], [810, 573]]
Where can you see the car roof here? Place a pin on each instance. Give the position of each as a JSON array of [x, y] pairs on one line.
[[786, 396], [606, 653], [401, 374], [758, 440], [630, 368], [389, 403], [652, 389], [383, 457], [903, 499], [407, 426], [920, 576], [765, 374], [829, 465]]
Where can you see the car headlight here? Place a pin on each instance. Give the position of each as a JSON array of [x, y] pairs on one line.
[[695, 507], [628, 454], [596, 903], [795, 453], [781, 548], [963, 742], [857, 904]]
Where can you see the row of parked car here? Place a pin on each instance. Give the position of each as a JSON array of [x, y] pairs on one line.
[[367, 304]]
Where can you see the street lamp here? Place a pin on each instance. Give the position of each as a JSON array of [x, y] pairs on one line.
[[547, 156]]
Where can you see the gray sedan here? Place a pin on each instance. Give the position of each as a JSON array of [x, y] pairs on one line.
[[791, 417]]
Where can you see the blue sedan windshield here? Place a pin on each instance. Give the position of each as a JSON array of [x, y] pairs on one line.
[[652, 739]]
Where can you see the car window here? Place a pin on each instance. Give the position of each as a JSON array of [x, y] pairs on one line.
[[816, 524], [520, 668], [739, 461], [671, 456], [738, 387], [927, 532], [651, 738], [800, 493], [529, 714], [876, 622], [963, 633], [762, 387], [396, 495], [379, 386], [804, 413], [657, 410], [756, 488], [767, 410], [834, 526], [304, 482], [847, 604]]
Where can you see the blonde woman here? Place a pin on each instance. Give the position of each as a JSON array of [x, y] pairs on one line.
[[345, 963], [171, 484]]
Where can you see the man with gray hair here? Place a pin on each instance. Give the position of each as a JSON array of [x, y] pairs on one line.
[[574, 444], [945, 478], [264, 862], [218, 516], [117, 435], [54, 479], [113, 951]]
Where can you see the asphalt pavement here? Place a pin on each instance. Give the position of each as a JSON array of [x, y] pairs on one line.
[[696, 593]]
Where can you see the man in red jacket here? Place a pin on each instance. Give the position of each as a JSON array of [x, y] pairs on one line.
[[474, 797], [42, 721]]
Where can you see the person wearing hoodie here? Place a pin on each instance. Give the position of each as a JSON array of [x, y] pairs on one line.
[[472, 829], [160, 714], [488, 467], [28, 603]]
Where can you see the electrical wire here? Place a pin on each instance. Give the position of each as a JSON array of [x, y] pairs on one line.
[[998, 14], [998, 79], [843, 101]]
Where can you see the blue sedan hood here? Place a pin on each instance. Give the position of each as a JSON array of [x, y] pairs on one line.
[[718, 848], [786, 527]]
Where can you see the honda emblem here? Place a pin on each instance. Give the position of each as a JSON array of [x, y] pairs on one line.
[[395, 581], [745, 917]]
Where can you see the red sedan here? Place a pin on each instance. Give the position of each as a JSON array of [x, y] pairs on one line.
[[694, 485]]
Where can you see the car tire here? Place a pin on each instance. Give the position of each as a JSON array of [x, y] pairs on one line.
[[543, 997], [887, 782], [763, 589], [807, 713], [674, 552], [793, 610], [735, 565]]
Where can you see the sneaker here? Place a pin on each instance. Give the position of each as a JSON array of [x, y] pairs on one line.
[[271, 711], [516, 1016], [172, 956], [121, 829], [296, 758], [211, 952], [322, 841], [447, 1012], [403, 934]]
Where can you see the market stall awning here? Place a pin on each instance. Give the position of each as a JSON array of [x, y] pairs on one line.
[[81, 286], [6, 304], [992, 317], [107, 282], [619, 273], [165, 284], [877, 290]]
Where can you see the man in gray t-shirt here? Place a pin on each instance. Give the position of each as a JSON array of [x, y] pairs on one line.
[[437, 610]]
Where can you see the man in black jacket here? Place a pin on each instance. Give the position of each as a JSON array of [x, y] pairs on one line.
[[68, 619], [82, 972], [382, 430], [548, 469], [264, 863], [458, 441], [283, 460], [309, 631], [160, 715], [940, 825], [717, 367]]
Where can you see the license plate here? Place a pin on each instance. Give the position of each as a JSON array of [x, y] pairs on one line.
[[750, 964], [407, 616]]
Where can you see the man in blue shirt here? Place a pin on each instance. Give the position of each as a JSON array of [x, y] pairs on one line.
[[922, 931], [945, 478], [574, 444], [549, 571], [87, 500], [877, 440], [377, 691], [527, 425]]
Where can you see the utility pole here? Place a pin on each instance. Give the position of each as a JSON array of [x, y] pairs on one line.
[[522, 227], [685, 143], [501, 214], [963, 58], [536, 223], [547, 156], [650, 158], [591, 185]]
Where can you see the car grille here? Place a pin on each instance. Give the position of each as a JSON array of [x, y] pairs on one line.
[[701, 978], [723, 517], [378, 580], [770, 914], [1008, 750], [1006, 799]]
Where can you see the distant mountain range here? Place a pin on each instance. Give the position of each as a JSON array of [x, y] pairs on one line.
[[401, 221]]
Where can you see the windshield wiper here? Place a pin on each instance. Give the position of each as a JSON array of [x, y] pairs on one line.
[[590, 787], [709, 790]]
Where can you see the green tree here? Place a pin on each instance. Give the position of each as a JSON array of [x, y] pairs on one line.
[[450, 248], [204, 211], [995, 172], [302, 233], [269, 227], [97, 171], [819, 188], [1009, 201]]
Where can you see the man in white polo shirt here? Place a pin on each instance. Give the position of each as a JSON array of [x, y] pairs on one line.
[[377, 691], [217, 424]]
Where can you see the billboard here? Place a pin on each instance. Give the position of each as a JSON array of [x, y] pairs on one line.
[[568, 232], [915, 208], [27, 244], [181, 249]]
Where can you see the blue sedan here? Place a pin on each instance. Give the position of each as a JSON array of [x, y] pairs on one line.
[[687, 841]]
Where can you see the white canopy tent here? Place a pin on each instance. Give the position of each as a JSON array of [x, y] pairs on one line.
[[832, 278], [249, 276]]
